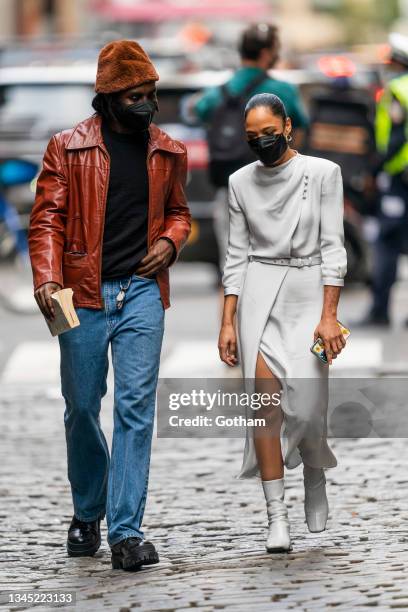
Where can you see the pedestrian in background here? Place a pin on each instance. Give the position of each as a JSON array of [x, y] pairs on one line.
[[391, 125], [284, 270], [109, 218], [221, 109]]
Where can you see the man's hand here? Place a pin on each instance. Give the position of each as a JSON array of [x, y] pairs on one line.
[[43, 298], [156, 259]]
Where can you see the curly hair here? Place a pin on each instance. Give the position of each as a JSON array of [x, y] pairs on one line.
[[102, 103]]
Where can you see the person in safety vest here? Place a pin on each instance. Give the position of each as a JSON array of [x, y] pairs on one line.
[[391, 123]]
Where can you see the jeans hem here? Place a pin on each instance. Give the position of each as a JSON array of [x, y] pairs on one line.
[[128, 534], [94, 517]]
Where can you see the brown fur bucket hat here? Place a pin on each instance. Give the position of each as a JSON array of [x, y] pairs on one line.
[[123, 64]]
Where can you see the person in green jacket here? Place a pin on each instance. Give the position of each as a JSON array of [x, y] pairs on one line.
[[259, 48], [259, 51]]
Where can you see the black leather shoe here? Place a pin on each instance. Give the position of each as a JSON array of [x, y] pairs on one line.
[[130, 554], [84, 539]]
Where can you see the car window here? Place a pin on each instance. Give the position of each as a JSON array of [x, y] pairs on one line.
[[57, 104]]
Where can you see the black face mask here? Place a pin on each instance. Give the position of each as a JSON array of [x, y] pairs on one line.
[[269, 148], [137, 117]]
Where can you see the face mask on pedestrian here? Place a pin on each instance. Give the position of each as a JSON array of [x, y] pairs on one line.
[[136, 117], [269, 148]]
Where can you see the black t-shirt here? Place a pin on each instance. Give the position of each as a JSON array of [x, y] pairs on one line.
[[125, 230]]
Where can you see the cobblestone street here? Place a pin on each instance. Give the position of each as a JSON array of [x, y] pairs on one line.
[[208, 526], [211, 197]]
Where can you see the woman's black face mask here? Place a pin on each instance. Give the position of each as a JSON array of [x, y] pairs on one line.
[[137, 116], [269, 148]]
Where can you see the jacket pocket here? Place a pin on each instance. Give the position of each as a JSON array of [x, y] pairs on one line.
[[75, 251], [75, 236], [74, 258], [75, 269]]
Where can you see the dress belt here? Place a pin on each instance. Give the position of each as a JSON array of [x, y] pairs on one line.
[[298, 262]]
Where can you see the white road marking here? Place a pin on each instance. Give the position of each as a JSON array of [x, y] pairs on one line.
[[38, 362], [361, 353], [32, 362], [21, 300], [193, 359]]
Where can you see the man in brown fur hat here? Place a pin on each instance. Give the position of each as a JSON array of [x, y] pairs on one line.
[[110, 216]]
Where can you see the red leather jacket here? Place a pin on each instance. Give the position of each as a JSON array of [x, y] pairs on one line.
[[67, 218]]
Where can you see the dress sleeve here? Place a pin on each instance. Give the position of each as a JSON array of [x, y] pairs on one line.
[[334, 256], [236, 259]]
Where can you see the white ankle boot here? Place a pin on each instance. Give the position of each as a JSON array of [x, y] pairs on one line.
[[279, 533], [316, 504]]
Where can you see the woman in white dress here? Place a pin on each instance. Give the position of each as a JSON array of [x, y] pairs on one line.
[[282, 278]]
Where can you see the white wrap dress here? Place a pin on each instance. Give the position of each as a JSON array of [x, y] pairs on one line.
[[291, 210]]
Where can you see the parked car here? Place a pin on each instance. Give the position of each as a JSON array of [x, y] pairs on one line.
[[39, 100]]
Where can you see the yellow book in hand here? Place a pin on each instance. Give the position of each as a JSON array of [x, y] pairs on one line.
[[65, 315]]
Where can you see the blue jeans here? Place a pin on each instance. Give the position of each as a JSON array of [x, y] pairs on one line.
[[114, 486]]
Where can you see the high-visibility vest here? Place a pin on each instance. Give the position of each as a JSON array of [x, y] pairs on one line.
[[399, 88]]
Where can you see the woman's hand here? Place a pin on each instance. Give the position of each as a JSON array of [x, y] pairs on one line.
[[227, 344], [330, 333]]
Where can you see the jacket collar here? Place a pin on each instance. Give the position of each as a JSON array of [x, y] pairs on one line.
[[88, 133]]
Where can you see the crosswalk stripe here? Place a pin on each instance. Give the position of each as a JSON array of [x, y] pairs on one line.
[[359, 353], [193, 359], [38, 362], [32, 362]]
